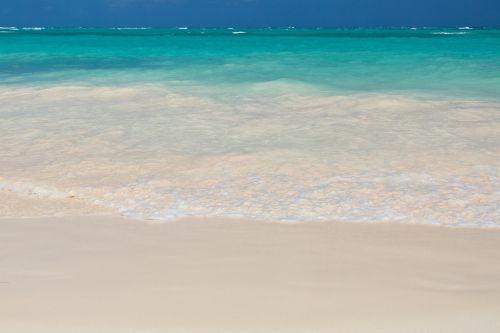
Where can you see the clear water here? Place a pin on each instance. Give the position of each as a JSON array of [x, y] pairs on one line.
[[269, 124], [458, 62]]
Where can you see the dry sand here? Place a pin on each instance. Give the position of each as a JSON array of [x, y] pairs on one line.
[[107, 274]]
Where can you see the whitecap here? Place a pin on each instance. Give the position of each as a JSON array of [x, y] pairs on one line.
[[33, 28], [238, 32], [448, 33], [132, 28]]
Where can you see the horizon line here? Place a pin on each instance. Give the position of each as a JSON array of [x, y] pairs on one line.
[[252, 27]]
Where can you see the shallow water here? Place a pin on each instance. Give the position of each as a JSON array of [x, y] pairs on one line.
[[271, 124]]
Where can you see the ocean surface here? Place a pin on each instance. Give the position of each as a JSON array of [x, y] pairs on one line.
[[275, 124]]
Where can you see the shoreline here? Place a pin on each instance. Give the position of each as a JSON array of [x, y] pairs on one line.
[[229, 219], [17, 206], [111, 274], [293, 156]]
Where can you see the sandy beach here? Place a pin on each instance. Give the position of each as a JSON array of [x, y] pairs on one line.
[[109, 274], [293, 178]]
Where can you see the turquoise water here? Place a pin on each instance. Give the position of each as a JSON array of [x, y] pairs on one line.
[[451, 62], [357, 125]]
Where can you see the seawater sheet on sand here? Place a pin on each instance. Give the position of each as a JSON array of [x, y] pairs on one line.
[[273, 152]]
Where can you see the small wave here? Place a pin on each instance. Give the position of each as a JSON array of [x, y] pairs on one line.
[[249, 175], [182, 28], [465, 28], [238, 32], [9, 28], [132, 28], [448, 33], [404, 198], [34, 28]]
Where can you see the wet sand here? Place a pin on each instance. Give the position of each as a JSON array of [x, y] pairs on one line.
[[109, 274]]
